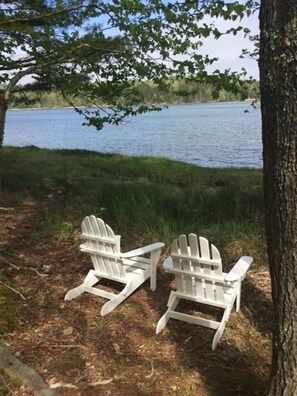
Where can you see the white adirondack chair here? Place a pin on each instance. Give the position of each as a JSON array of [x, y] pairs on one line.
[[128, 268], [197, 267]]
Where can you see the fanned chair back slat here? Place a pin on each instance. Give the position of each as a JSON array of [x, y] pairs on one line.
[[205, 253], [187, 281], [193, 255], [87, 229], [218, 287], [196, 267], [176, 264], [100, 237]]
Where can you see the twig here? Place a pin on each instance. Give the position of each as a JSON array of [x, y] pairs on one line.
[[14, 266], [37, 272], [14, 290], [59, 346], [18, 267], [101, 382], [66, 258], [79, 378], [6, 261], [7, 386], [24, 268], [63, 385], [152, 368]]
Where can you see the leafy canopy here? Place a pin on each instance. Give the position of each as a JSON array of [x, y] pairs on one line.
[[100, 49]]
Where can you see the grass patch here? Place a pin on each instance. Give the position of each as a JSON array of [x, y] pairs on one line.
[[156, 198]]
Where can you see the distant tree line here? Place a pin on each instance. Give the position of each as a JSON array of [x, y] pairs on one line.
[[178, 91]]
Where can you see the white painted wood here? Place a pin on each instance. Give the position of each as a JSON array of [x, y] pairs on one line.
[[205, 254], [168, 263], [176, 263], [143, 250], [194, 253], [129, 268], [239, 270], [217, 270], [186, 269], [199, 277]]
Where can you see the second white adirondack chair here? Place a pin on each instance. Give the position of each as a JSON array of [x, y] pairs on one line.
[[197, 267], [128, 268]]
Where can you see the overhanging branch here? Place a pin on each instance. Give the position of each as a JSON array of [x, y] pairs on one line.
[[39, 19]]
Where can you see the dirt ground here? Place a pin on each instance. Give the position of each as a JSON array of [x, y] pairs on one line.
[[78, 352]]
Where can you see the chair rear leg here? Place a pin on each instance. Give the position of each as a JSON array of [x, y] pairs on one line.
[[90, 280], [116, 300], [238, 297], [218, 335], [155, 255]]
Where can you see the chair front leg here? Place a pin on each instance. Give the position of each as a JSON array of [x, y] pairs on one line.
[[238, 297], [221, 328], [155, 256]]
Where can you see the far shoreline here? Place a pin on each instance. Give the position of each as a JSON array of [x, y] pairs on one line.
[[153, 104]]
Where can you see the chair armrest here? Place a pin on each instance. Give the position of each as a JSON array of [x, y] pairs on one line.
[[239, 270], [168, 263], [83, 246], [143, 250]]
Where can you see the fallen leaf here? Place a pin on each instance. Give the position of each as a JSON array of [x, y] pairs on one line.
[[116, 347], [68, 331]]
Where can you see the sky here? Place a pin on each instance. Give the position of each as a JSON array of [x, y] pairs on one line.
[[228, 48]]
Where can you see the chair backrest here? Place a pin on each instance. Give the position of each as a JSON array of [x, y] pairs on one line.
[[101, 240], [197, 266]]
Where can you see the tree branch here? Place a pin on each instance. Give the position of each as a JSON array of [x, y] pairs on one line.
[[66, 58], [15, 368], [40, 18]]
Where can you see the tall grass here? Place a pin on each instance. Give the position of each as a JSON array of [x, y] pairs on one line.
[[155, 198]]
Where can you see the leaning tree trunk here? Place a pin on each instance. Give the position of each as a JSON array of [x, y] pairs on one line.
[[3, 110], [278, 81]]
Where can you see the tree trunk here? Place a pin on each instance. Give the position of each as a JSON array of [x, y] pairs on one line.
[[3, 110], [278, 82]]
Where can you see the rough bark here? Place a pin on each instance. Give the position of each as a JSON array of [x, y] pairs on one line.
[[278, 81], [3, 110]]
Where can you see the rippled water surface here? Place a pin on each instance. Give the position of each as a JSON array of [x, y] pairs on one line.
[[210, 135]]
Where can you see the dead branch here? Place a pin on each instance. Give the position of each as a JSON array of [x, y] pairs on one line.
[[12, 289], [15, 368]]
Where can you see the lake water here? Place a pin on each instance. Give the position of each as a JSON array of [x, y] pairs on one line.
[[209, 135]]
